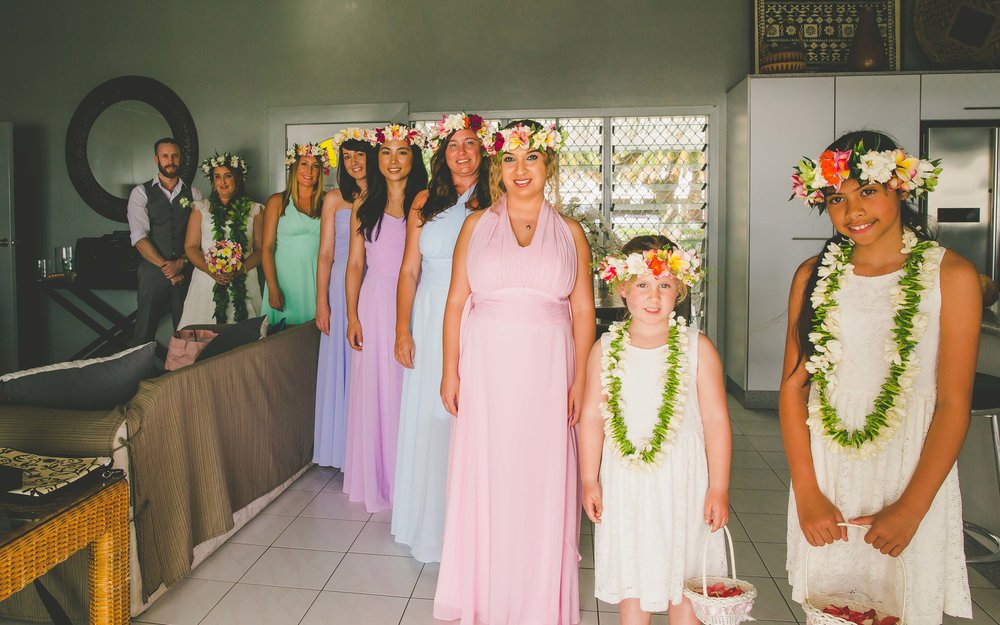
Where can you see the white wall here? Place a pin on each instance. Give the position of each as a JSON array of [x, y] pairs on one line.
[[231, 60]]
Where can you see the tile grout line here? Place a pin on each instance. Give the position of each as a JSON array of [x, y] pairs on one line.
[[236, 583]]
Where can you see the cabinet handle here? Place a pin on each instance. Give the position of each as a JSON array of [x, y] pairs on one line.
[[982, 108], [810, 238]]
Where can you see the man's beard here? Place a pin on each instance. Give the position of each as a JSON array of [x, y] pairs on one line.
[[168, 174]]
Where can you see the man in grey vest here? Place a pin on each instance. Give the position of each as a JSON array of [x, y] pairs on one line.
[[157, 217]]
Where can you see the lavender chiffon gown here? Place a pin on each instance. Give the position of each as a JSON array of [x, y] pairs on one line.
[[376, 378], [333, 370]]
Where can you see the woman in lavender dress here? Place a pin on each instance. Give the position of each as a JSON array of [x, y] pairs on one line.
[[353, 151], [378, 232]]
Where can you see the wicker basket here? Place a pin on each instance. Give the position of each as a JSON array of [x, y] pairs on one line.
[[959, 33], [813, 605], [720, 610]]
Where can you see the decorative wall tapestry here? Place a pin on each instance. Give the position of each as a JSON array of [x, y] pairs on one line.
[[823, 28]]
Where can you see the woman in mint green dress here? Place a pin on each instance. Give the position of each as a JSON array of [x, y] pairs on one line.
[[291, 237]]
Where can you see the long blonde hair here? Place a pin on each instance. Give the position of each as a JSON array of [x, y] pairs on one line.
[[498, 188], [292, 190]]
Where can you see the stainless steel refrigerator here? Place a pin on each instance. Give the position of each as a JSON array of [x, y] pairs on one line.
[[964, 205]]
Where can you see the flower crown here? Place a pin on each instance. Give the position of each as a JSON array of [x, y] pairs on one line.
[[366, 135], [893, 168], [398, 132], [309, 149], [682, 265], [226, 159], [456, 122], [550, 137]]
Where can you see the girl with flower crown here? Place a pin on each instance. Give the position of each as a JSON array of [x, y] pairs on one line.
[[226, 215], [655, 443], [875, 395], [291, 237], [521, 299], [458, 186], [354, 151], [378, 233]]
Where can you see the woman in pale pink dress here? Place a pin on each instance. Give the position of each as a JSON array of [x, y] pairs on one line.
[[521, 275]]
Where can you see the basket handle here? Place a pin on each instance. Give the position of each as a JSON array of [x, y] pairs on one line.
[[704, 560], [899, 560]]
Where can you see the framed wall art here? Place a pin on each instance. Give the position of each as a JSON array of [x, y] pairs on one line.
[[822, 30]]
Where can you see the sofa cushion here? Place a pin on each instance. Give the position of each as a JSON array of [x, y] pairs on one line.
[[234, 335], [94, 384]]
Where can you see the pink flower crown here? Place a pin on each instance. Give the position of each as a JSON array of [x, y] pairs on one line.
[[456, 122], [894, 168], [550, 137], [298, 150], [682, 265], [398, 132]]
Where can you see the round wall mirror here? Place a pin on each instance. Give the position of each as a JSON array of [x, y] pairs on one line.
[[109, 142], [120, 145]]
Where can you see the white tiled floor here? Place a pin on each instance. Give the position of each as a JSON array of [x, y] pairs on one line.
[[313, 558]]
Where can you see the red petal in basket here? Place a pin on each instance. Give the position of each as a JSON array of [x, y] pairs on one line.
[[720, 590], [860, 618]]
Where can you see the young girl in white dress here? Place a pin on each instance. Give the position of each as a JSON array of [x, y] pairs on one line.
[[879, 363], [655, 442]]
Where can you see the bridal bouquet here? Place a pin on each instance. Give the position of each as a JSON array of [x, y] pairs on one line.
[[224, 257]]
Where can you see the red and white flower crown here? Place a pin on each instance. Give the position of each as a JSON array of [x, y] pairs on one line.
[[550, 137], [455, 122], [398, 132], [298, 150], [894, 168], [682, 265]]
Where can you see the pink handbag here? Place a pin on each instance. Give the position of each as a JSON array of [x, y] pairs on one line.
[[184, 347]]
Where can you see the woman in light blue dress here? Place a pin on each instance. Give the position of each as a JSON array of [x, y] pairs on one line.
[[333, 370], [457, 166]]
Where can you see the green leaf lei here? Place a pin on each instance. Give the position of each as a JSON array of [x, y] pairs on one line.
[[235, 215], [652, 452], [909, 325]]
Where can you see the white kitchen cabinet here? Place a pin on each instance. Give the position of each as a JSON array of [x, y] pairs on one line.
[[771, 124], [889, 103], [973, 95]]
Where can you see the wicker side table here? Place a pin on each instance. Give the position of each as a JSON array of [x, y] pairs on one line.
[[96, 517]]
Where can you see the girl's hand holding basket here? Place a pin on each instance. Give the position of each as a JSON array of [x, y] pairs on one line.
[[850, 608], [720, 600]]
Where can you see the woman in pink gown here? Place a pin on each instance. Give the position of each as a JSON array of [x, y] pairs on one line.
[[521, 275], [378, 232]]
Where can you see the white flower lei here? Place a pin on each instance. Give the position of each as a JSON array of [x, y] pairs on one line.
[[647, 454], [919, 271]]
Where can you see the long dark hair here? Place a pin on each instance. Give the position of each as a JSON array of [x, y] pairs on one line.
[[909, 216], [441, 192], [349, 188], [372, 210]]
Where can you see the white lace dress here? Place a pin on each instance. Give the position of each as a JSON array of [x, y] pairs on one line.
[[653, 529], [935, 558], [199, 304]]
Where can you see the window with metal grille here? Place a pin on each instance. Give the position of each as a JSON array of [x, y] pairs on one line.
[[643, 175]]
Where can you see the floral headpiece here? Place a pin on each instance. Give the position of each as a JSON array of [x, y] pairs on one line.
[[309, 149], [456, 122], [226, 159], [682, 265], [893, 168], [366, 135], [398, 132], [549, 137]]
